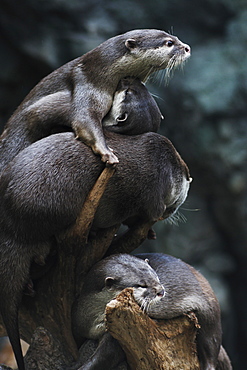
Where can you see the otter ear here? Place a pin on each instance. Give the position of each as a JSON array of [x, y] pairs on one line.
[[109, 281], [147, 260], [123, 117], [130, 44]]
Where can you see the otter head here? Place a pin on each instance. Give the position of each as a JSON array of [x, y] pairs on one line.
[[133, 111], [103, 283], [156, 50], [126, 271]]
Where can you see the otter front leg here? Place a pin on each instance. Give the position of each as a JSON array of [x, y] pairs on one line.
[[107, 355], [89, 105], [90, 132]]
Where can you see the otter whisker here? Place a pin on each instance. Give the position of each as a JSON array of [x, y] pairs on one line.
[[155, 77], [158, 76], [145, 304], [181, 217], [157, 96], [147, 74], [190, 209], [176, 218], [172, 64], [175, 62]]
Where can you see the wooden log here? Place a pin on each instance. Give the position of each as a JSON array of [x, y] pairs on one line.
[[149, 344]]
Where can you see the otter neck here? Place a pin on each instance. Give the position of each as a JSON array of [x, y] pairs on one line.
[[112, 66]]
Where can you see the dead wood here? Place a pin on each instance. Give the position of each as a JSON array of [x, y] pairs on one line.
[[148, 344]]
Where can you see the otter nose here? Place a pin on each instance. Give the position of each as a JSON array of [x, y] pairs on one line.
[[187, 48], [161, 292]]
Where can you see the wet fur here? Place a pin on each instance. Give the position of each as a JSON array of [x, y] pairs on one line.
[[79, 94]]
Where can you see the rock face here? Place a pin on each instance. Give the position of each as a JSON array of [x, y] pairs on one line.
[[205, 109]]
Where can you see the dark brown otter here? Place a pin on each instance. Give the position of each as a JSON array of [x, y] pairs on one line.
[[80, 93], [134, 111], [103, 283], [186, 291], [43, 190]]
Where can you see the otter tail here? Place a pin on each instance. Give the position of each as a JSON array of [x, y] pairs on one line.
[[10, 319], [14, 271]]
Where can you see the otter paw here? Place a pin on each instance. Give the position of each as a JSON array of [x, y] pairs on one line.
[[109, 158]]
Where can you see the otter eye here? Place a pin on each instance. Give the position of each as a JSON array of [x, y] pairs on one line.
[[140, 286], [122, 117], [169, 43]]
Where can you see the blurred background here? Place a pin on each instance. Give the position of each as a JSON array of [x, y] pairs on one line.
[[205, 113]]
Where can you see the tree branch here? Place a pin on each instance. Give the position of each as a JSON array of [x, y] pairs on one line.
[[78, 233], [131, 239]]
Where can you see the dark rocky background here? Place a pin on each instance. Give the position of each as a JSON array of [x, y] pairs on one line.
[[205, 110]]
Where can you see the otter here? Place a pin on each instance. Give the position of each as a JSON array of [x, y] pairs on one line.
[[134, 111], [185, 291], [79, 94], [42, 191], [103, 283]]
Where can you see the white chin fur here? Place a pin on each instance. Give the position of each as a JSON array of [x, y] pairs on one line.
[[111, 119]]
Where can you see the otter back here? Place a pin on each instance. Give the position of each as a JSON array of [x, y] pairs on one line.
[[46, 184]]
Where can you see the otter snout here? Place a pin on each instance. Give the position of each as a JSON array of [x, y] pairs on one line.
[[187, 49], [161, 292]]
